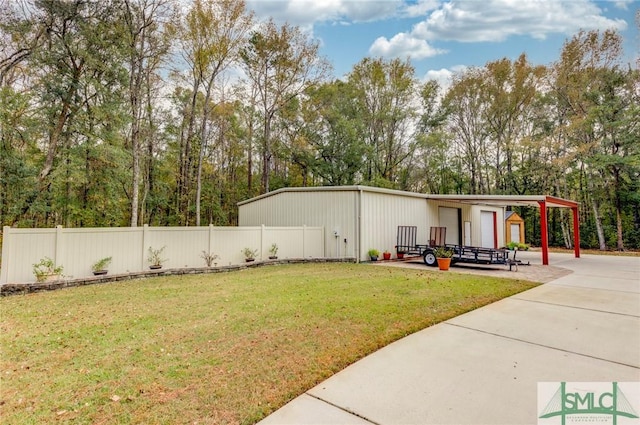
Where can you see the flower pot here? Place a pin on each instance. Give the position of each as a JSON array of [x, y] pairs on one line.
[[100, 272], [155, 266], [273, 257], [386, 255], [400, 255], [248, 260], [444, 263], [374, 258]]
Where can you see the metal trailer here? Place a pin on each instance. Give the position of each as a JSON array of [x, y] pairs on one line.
[[406, 244]]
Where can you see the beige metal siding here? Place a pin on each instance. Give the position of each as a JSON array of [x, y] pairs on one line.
[[333, 210], [476, 220], [434, 220], [370, 215], [383, 213]]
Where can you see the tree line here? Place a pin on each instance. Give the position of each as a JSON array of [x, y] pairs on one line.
[[123, 112]]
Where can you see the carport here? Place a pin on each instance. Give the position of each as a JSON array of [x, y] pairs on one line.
[[541, 201]]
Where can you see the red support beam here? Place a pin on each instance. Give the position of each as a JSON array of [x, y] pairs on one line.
[[576, 232], [495, 230], [554, 202], [543, 233]]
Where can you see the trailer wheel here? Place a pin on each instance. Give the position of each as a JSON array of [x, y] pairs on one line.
[[430, 259]]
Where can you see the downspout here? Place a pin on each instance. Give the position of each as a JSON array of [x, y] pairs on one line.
[[358, 223]]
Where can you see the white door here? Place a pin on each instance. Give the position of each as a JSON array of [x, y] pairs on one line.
[[515, 233], [487, 229], [449, 218]]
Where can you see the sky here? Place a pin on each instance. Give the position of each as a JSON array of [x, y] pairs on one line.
[[441, 37]]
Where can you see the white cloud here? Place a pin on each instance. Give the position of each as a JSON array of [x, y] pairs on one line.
[[623, 4], [491, 20], [403, 45], [421, 8], [306, 13], [496, 20], [444, 76]]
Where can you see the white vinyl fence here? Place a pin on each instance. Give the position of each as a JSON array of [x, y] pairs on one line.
[[77, 249]]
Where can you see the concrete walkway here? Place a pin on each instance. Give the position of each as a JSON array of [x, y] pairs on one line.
[[483, 367]]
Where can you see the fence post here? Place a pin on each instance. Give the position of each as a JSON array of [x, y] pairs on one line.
[[145, 228], [304, 239], [210, 238], [59, 245], [6, 243]]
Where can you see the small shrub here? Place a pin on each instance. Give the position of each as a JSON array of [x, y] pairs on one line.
[[249, 253], [518, 245], [155, 256], [273, 250], [373, 252], [443, 252], [209, 258], [45, 268], [101, 264]]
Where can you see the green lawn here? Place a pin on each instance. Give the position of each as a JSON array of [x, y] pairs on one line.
[[215, 348]]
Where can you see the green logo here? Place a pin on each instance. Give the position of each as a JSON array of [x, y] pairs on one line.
[[587, 400]]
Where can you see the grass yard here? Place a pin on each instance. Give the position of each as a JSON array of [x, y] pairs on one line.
[[225, 348]]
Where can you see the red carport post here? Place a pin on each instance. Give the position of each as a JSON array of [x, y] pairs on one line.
[[543, 233], [576, 232]]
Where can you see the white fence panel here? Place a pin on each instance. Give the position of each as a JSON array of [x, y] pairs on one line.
[[314, 242], [183, 246], [77, 249], [30, 246], [228, 243], [289, 241], [80, 248]]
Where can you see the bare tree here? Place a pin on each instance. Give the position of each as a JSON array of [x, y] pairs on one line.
[[281, 63]]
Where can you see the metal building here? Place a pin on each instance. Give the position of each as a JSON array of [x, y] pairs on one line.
[[358, 218]]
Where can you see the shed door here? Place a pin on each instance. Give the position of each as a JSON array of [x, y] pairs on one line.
[[515, 233], [488, 229], [450, 218]]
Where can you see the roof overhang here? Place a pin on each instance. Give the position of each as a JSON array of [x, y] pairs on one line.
[[497, 200], [508, 200]]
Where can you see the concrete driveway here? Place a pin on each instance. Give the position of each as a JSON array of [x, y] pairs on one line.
[[483, 367]]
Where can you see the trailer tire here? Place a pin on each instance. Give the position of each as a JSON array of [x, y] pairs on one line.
[[430, 259]]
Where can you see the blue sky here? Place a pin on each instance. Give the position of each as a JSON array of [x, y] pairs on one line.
[[442, 36]]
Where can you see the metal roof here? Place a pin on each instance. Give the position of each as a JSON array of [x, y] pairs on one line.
[[497, 200]]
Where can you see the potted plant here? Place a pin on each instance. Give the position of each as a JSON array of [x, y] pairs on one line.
[[273, 251], [386, 255], [249, 254], [100, 266], [46, 270], [443, 256], [400, 255], [373, 254], [209, 258], [155, 258]]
